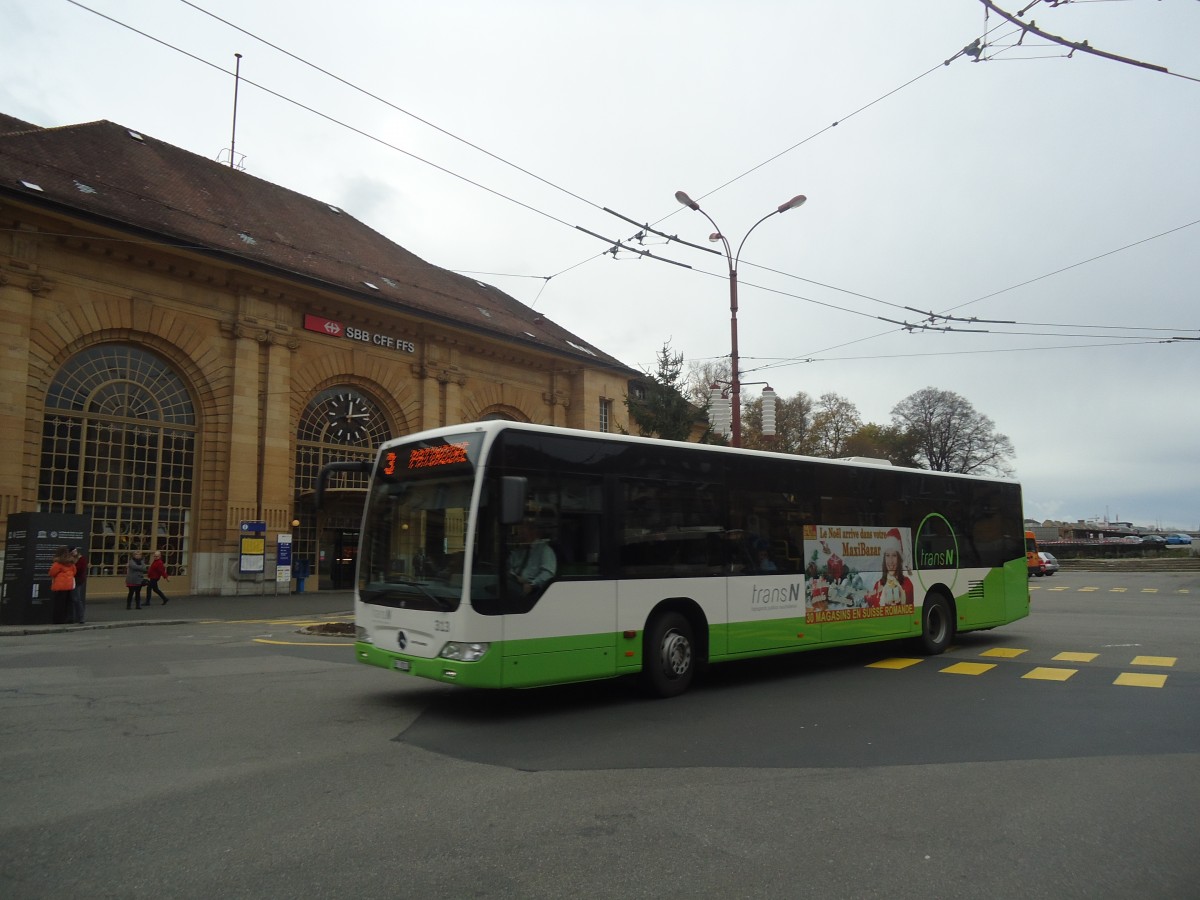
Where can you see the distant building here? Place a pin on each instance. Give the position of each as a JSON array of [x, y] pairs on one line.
[[186, 344]]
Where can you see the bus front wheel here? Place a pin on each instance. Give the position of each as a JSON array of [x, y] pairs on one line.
[[937, 624], [669, 655]]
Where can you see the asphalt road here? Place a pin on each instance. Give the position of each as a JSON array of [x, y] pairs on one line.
[[233, 755]]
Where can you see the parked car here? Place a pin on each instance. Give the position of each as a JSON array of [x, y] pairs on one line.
[[1179, 538], [1156, 540], [1049, 563]]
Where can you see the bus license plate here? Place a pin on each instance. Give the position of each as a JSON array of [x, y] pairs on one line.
[[403, 665]]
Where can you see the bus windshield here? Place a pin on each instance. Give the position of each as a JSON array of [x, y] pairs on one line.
[[414, 546]]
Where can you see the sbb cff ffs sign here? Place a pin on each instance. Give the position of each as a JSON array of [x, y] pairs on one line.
[[337, 329]]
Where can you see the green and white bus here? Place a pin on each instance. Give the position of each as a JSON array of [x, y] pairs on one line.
[[658, 557]]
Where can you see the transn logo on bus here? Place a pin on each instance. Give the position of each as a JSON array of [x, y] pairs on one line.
[[787, 597]]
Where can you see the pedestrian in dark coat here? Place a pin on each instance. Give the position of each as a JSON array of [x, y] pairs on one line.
[[135, 577], [80, 596]]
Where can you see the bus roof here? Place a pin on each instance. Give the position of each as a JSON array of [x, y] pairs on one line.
[[495, 426]]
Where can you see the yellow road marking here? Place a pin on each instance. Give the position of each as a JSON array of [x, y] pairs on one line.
[[968, 668], [1044, 673], [1149, 590], [1138, 679], [1075, 657], [269, 621], [1117, 590], [1087, 590], [1166, 661], [1003, 652], [1057, 590], [896, 662], [302, 643]]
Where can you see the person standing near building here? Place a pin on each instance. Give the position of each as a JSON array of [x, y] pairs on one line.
[[157, 572], [80, 596], [62, 584], [135, 577]]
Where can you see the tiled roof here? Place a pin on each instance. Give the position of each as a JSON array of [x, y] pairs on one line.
[[12, 123], [106, 172]]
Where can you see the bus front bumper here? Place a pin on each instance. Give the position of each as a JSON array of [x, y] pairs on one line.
[[483, 673]]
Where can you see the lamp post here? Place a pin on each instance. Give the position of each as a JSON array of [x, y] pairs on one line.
[[735, 385]]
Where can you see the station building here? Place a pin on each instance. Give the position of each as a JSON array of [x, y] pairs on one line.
[[185, 345]]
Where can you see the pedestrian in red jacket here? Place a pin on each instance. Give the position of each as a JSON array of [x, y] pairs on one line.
[[157, 571], [62, 584]]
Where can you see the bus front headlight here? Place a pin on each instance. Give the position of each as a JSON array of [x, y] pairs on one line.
[[463, 652]]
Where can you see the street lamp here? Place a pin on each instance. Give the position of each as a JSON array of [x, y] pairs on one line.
[[735, 385]]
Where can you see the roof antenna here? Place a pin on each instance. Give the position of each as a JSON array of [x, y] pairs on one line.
[[237, 79]]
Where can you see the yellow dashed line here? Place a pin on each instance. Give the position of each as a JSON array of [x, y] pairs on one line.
[[1088, 590], [1117, 590], [1138, 679], [302, 643], [1003, 652], [1057, 590], [1165, 661], [1037, 673], [1075, 657], [895, 662], [1149, 590], [265, 621], [968, 668], [1044, 673]]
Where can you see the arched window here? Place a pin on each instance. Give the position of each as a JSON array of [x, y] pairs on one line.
[[339, 424], [501, 412], [118, 443]]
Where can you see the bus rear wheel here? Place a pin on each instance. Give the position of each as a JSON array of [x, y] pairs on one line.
[[937, 624], [669, 655]]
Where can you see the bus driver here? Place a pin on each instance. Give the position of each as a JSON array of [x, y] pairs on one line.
[[532, 563]]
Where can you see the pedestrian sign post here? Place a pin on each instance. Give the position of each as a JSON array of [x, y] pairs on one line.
[[253, 550], [283, 559]]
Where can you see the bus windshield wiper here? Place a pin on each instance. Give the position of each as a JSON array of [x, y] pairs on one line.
[[441, 604]]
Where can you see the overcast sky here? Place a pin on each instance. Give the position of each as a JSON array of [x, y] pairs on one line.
[[1057, 199]]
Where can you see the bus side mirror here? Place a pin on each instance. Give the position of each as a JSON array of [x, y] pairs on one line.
[[513, 491]]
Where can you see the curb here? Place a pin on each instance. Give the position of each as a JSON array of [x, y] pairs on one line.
[[16, 630]]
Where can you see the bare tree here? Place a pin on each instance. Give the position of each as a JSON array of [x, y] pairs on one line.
[[793, 424], [951, 435], [835, 420], [703, 375]]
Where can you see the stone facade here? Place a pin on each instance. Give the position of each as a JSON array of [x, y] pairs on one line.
[[242, 334]]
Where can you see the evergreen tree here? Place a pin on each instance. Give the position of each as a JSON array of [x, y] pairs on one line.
[[657, 407]]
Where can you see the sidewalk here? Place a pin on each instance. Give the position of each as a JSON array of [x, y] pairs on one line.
[[111, 612]]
